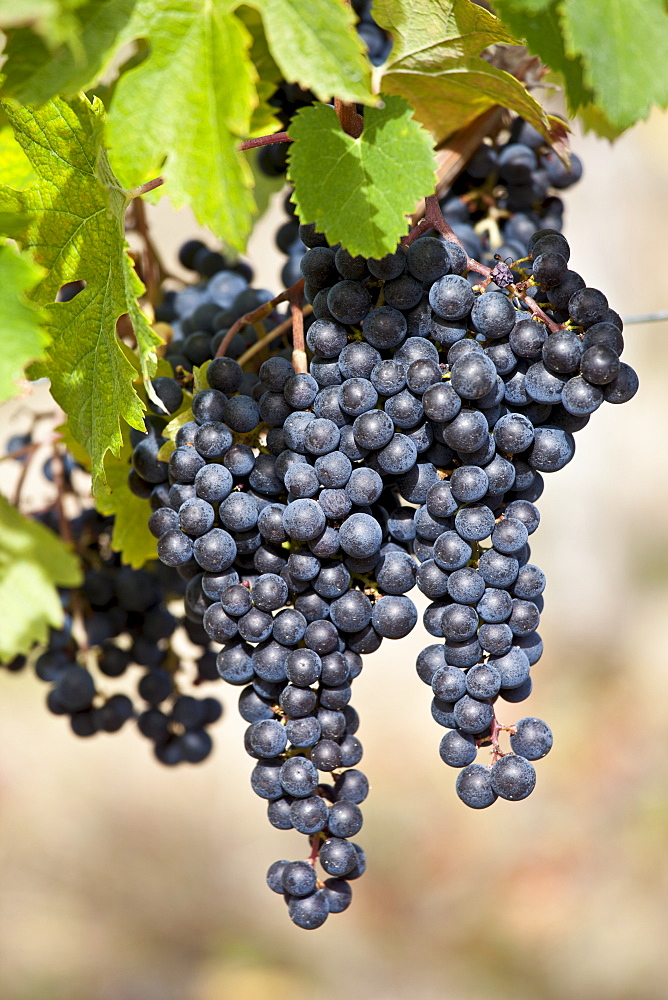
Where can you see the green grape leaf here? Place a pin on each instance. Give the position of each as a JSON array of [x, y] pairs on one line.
[[34, 74], [434, 64], [593, 119], [74, 229], [424, 33], [538, 23], [448, 100], [260, 53], [362, 189], [33, 563], [15, 168], [263, 119], [11, 224], [624, 49], [23, 337], [199, 377], [182, 111], [130, 536], [611, 56], [315, 44], [54, 20]]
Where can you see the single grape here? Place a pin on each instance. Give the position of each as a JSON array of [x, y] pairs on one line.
[[513, 777]]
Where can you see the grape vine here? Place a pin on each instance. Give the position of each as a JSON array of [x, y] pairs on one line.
[[248, 486]]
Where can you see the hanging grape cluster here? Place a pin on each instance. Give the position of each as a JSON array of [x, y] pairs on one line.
[[304, 508]]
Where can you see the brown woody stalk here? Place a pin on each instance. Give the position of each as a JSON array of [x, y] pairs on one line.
[[458, 149], [152, 271], [351, 122], [277, 332], [258, 314], [299, 362]]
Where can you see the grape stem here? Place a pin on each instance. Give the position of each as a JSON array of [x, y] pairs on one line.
[[433, 219], [260, 313], [315, 850], [351, 123], [459, 148], [493, 738], [21, 452], [145, 188], [299, 362], [264, 140], [277, 332], [64, 528], [519, 291], [153, 270], [29, 453]]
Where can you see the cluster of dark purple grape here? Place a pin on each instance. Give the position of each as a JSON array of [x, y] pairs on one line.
[[200, 314], [507, 191], [305, 509], [500, 411], [244, 521], [126, 628]]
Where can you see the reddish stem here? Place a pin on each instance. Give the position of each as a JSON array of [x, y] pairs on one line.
[[299, 362], [145, 188], [260, 313], [315, 850], [264, 140], [493, 738], [277, 332], [433, 219], [64, 527], [534, 308], [153, 271]]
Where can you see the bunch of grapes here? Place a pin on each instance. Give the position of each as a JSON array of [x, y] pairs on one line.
[[245, 527], [120, 625], [199, 315], [305, 508], [507, 191]]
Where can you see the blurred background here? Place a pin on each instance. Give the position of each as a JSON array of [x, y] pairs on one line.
[[123, 880]]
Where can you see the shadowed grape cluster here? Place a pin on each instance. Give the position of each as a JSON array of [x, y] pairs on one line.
[[116, 626], [508, 190]]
